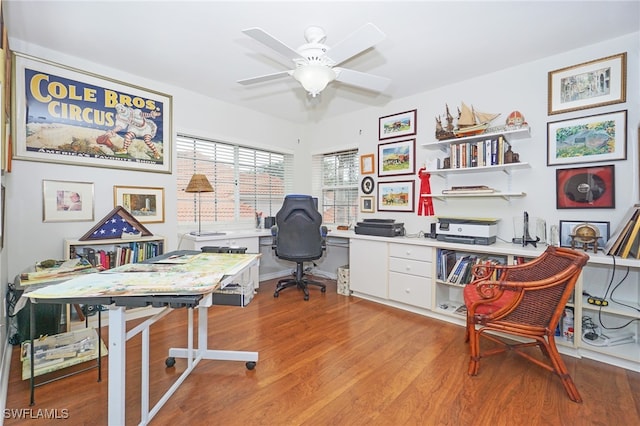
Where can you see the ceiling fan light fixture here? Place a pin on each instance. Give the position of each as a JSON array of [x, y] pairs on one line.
[[314, 78]]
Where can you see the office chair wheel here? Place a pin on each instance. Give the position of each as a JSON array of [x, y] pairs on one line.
[[250, 365], [306, 297], [170, 362], [275, 294], [323, 289]]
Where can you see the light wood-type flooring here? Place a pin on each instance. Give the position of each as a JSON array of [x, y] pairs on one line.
[[336, 360]]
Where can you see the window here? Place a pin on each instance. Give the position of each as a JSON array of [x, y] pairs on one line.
[[245, 181], [335, 181]]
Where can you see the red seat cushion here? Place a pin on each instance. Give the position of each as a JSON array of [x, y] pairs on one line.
[[471, 296]]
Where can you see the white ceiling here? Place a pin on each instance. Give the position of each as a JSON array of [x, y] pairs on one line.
[[198, 45]]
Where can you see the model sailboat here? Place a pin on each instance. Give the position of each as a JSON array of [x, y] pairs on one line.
[[472, 122]]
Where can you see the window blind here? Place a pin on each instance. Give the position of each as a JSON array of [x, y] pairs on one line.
[[335, 183], [245, 181]]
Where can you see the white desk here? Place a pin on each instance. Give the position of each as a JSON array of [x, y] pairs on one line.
[[118, 336]]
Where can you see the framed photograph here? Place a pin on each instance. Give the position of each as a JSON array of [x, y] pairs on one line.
[[67, 201], [589, 139], [396, 125], [145, 204], [588, 85], [367, 205], [396, 196], [367, 164], [567, 227], [397, 158], [586, 188], [84, 119], [367, 185]]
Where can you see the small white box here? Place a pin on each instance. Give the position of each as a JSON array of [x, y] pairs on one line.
[[343, 281]]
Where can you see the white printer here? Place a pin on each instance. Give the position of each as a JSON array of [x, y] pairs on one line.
[[481, 231]]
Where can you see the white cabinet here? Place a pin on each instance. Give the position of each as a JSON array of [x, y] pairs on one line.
[[410, 268], [368, 267]]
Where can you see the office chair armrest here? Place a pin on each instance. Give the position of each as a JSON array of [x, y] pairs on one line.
[[274, 233], [323, 234]]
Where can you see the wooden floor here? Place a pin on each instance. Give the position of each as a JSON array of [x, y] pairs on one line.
[[336, 360]]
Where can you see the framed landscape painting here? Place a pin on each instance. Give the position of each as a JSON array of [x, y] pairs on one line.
[[589, 139], [588, 85], [397, 158], [396, 196], [145, 204], [397, 125]]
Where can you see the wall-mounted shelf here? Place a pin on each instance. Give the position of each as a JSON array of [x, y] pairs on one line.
[[504, 195], [509, 135], [506, 168]]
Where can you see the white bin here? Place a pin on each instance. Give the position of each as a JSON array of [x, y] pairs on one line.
[[343, 281]]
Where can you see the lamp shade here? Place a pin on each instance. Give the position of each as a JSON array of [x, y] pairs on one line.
[[314, 78], [199, 183]]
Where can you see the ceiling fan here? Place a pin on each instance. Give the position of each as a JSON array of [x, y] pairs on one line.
[[315, 62]]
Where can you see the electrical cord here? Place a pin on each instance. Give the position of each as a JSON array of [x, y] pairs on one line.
[[613, 273]]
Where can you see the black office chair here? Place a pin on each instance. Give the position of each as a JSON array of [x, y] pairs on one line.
[[299, 236]]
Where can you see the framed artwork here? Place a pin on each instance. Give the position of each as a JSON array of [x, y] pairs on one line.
[[367, 185], [588, 85], [367, 164], [396, 196], [397, 158], [586, 188], [67, 201], [396, 125], [145, 204], [567, 226], [589, 139], [84, 119], [367, 205]]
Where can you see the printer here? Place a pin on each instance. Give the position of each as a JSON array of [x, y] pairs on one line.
[[480, 231], [380, 228]]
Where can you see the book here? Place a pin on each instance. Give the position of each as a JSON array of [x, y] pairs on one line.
[[609, 247], [633, 236], [453, 276]]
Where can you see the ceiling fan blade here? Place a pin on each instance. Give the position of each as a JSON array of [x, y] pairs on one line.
[[361, 79], [362, 39], [266, 77], [273, 43]]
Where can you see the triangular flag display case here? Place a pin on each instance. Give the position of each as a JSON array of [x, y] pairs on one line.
[[117, 223]]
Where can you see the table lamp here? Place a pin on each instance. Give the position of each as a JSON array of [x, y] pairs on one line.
[[199, 183]]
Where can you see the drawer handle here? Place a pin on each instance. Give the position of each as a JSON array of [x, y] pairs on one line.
[[407, 290], [408, 268]]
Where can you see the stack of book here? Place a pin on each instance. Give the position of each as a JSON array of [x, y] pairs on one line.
[[625, 242], [471, 189]]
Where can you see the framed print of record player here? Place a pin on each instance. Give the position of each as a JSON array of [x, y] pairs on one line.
[[586, 188]]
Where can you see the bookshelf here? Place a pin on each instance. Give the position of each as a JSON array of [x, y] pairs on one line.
[[485, 153], [109, 253]]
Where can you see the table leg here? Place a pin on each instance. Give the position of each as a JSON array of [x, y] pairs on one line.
[[117, 365]]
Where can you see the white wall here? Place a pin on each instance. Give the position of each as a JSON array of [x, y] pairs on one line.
[[522, 88], [28, 239]]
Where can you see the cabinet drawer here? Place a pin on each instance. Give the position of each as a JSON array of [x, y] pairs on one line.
[[410, 251], [408, 266], [410, 289]]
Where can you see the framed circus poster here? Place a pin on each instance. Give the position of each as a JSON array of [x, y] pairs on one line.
[[63, 115]]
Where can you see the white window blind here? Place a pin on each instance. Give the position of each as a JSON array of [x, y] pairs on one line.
[[245, 181], [335, 183]]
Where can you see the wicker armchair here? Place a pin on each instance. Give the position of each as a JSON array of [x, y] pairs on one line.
[[525, 301]]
